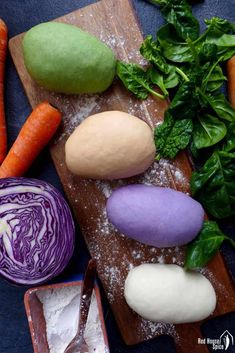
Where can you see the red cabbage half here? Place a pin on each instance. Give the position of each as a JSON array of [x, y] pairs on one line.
[[37, 232]]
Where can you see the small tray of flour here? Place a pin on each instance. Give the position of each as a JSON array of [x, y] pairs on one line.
[[53, 314]]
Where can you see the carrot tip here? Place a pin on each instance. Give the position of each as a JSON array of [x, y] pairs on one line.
[[3, 24]]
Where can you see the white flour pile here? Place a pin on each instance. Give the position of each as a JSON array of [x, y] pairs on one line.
[[61, 310]]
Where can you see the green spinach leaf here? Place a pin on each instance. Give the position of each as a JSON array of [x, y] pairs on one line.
[[172, 136], [207, 52], [213, 184], [136, 80], [229, 146], [157, 79], [215, 80], [179, 14], [220, 105], [224, 42], [220, 24], [201, 250], [151, 51], [172, 46], [208, 130], [180, 107], [171, 80]]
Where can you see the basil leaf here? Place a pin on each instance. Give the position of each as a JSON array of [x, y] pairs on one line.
[[201, 250], [172, 136], [151, 51], [172, 47], [136, 80], [213, 184], [208, 130]]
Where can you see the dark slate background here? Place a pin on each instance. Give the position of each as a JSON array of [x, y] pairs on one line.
[[20, 15]]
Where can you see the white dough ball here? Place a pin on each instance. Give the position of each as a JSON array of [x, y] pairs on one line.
[[110, 145], [168, 293]]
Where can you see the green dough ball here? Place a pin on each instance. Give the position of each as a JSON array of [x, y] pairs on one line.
[[63, 58]]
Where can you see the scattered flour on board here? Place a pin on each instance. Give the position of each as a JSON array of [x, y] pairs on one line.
[[216, 284], [104, 227], [111, 40], [83, 107], [151, 328], [104, 187], [160, 173]]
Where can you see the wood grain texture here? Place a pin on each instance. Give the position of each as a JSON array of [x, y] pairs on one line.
[[115, 23]]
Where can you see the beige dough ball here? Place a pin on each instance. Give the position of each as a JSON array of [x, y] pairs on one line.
[[110, 145]]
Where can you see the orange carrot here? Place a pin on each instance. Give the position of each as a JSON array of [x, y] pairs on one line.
[[3, 54], [36, 132], [231, 80]]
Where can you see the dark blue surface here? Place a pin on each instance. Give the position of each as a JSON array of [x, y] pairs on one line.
[[20, 15]]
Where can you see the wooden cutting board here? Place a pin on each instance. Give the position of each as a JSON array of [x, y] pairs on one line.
[[115, 23]]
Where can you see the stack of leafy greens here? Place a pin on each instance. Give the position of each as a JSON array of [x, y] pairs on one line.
[[189, 65]]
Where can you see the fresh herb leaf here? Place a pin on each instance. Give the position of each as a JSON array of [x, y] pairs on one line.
[[213, 185], [201, 250], [136, 80], [151, 51], [172, 136], [208, 130]]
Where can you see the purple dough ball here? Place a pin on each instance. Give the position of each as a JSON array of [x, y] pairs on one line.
[[156, 216]]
